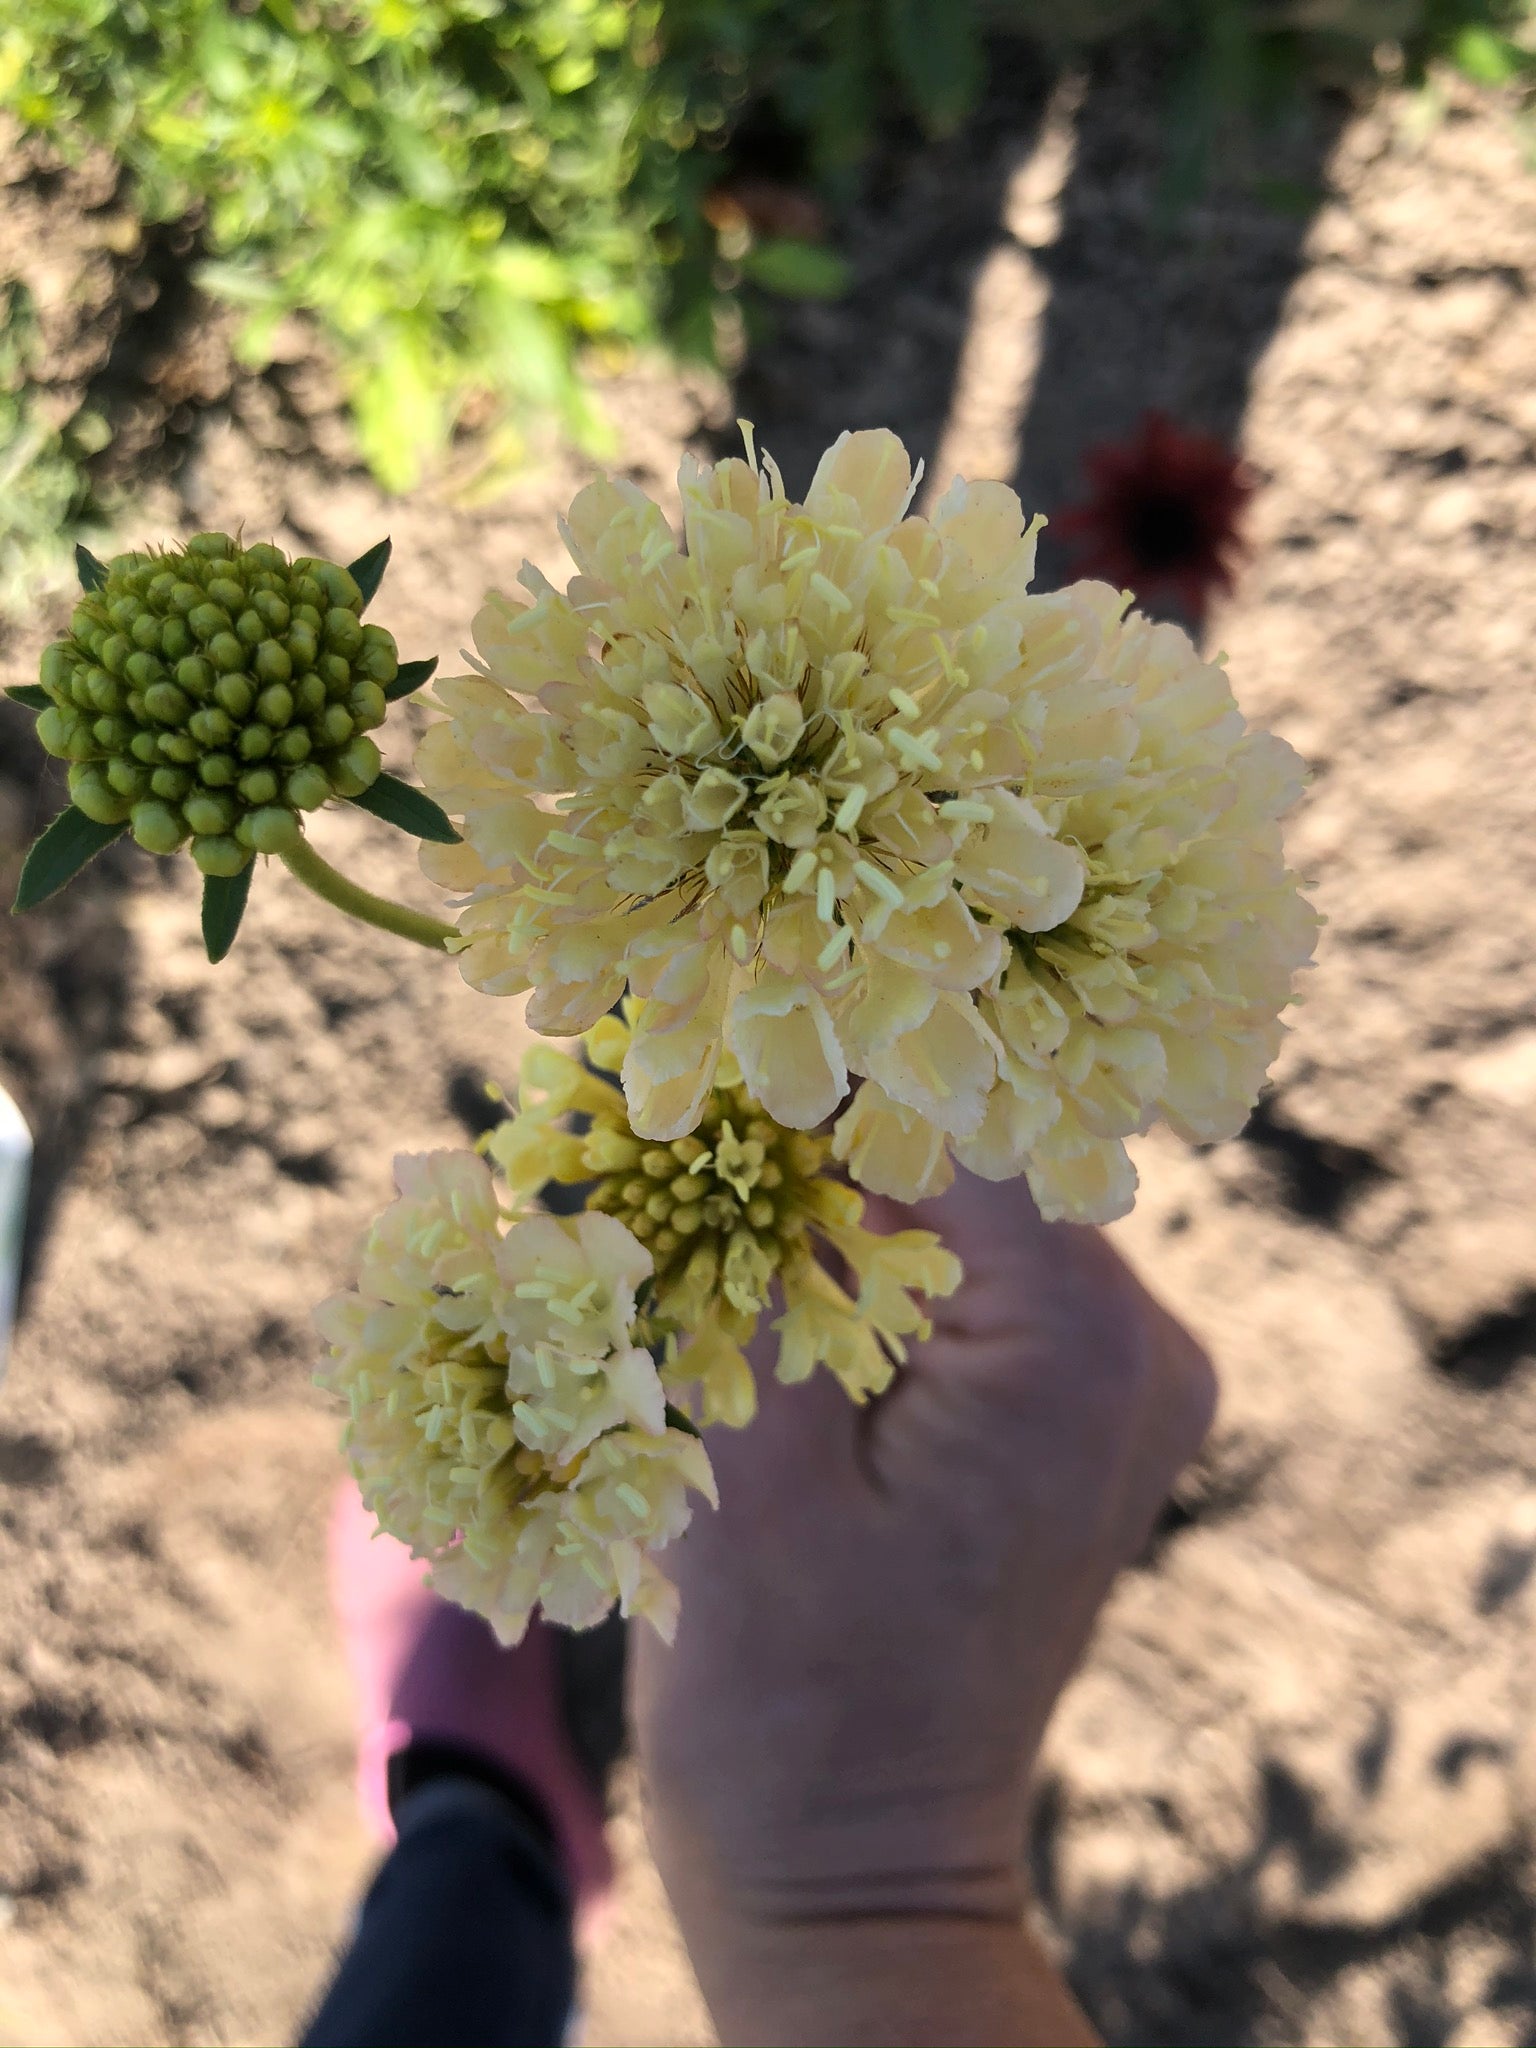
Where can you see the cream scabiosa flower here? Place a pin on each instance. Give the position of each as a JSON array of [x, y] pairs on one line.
[[842, 801], [736, 1207], [1158, 996], [766, 780], [504, 1422]]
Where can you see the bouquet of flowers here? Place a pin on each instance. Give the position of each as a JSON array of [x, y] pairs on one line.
[[842, 853]]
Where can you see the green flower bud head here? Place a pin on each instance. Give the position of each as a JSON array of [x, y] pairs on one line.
[[157, 827], [220, 855], [307, 788], [269, 830], [213, 694], [185, 669], [91, 792]]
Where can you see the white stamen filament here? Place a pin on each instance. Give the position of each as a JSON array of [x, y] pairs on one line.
[[916, 750], [835, 600], [801, 868], [848, 811], [878, 883], [839, 940], [826, 895]]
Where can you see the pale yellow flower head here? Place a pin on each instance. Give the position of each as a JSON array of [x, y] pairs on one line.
[[736, 1207], [845, 805], [763, 778], [504, 1421], [1158, 996]]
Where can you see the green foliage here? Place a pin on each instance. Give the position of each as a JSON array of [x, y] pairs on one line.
[[465, 195], [411, 810], [408, 678], [367, 572], [64, 849], [798, 270], [42, 487], [451, 188], [224, 901]]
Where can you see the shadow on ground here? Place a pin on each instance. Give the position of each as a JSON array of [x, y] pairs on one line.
[[1215, 1963], [1143, 307]]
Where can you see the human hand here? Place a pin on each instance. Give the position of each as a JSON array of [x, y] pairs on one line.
[[877, 1622]]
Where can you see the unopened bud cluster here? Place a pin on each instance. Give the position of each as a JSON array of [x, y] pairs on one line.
[[215, 693], [719, 1211]]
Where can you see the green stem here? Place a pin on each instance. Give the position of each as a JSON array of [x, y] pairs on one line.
[[319, 875]]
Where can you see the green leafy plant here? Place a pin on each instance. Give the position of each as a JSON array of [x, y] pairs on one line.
[[43, 491], [449, 187], [466, 196]]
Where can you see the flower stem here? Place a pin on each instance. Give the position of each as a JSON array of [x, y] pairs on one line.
[[319, 875]]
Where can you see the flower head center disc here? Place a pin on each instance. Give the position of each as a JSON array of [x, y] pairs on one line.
[[719, 1210]]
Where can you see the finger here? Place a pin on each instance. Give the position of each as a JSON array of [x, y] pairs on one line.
[[1178, 1410], [1068, 1369], [989, 1225], [801, 1437]]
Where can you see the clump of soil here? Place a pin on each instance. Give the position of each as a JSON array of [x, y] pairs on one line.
[[1290, 1797]]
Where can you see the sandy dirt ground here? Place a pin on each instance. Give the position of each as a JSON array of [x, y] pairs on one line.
[[1290, 1798]]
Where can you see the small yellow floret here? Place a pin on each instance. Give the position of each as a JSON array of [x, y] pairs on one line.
[[728, 1212]]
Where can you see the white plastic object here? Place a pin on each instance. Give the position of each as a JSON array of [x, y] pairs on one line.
[[15, 1172]]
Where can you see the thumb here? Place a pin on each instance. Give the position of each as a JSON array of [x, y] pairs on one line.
[[1053, 1364]]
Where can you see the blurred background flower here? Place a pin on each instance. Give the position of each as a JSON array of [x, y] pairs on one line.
[[1162, 516]]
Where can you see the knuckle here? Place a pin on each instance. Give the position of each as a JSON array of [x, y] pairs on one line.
[[1198, 1394]]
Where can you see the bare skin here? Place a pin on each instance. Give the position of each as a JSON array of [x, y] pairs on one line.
[[876, 1626]]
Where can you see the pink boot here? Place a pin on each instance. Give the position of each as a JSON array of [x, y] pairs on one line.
[[423, 1670]]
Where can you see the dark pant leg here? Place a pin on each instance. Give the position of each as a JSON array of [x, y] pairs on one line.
[[464, 1939]]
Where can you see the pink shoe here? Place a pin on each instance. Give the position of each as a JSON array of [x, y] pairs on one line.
[[426, 1671]]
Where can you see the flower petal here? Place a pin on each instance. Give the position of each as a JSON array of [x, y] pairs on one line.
[[944, 1069], [1016, 868], [871, 468], [891, 1150], [783, 1039]]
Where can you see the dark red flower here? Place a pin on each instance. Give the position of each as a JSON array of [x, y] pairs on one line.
[[1162, 514]]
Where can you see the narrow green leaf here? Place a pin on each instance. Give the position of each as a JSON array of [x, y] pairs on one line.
[[411, 809], [33, 695], [70, 841], [935, 49], [797, 270], [224, 901], [411, 677], [367, 572], [92, 574]]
